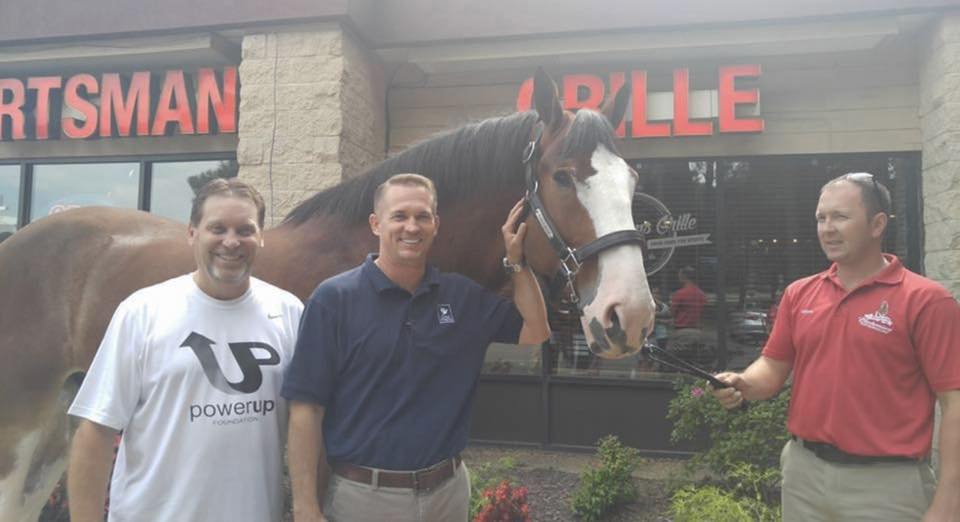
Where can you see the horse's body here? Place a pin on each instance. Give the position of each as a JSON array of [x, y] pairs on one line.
[[62, 277]]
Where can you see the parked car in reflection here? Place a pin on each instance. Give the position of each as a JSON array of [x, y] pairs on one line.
[[748, 327]]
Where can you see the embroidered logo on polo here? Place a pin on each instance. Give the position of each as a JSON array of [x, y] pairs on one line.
[[240, 411], [445, 314], [878, 321]]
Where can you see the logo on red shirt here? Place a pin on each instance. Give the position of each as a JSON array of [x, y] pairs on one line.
[[878, 321]]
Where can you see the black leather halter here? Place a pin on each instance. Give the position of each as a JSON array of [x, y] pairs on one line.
[[571, 259]]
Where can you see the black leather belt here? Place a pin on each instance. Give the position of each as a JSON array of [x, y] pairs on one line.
[[831, 453], [420, 480]]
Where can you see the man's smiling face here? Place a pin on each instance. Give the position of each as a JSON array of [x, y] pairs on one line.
[[406, 223]]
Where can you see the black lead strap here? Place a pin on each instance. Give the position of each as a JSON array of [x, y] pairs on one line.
[[659, 355]]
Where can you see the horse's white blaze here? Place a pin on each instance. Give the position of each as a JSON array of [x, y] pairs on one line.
[[622, 283], [13, 505]]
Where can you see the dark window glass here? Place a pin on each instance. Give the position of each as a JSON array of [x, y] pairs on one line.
[[61, 187], [175, 184], [9, 199]]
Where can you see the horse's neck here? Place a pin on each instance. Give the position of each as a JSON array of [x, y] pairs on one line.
[[299, 257], [470, 241]]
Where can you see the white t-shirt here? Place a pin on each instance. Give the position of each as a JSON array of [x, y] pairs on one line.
[[194, 383]]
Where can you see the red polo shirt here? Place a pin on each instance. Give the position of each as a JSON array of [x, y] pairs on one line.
[[867, 364], [686, 306]]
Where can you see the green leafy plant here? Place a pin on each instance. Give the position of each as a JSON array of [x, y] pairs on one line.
[[486, 476], [742, 456], [697, 504], [754, 436], [608, 485]]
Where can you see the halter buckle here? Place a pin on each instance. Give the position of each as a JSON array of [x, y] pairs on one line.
[[570, 265], [528, 151]]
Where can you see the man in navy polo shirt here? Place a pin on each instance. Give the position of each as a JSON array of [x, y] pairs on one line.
[[386, 366]]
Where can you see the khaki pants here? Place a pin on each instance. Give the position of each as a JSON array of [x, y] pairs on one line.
[[349, 501], [817, 490]]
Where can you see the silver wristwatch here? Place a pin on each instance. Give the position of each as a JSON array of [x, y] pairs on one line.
[[511, 268]]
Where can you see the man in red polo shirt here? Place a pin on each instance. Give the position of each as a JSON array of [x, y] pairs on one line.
[[871, 346], [686, 304]]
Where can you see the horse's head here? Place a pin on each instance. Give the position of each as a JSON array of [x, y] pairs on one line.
[[584, 190]]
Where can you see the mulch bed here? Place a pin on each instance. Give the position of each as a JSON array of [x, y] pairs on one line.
[[549, 491]]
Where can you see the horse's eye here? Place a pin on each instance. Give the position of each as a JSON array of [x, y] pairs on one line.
[[564, 178]]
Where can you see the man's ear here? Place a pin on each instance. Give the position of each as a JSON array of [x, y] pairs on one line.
[[374, 224], [191, 234], [879, 225]]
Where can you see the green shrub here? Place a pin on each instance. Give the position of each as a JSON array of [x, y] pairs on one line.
[[754, 436], [699, 504], [487, 476], [609, 485]]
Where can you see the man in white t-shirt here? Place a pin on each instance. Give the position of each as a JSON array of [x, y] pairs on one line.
[[190, 370]]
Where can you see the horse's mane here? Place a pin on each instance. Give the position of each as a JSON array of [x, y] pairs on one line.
[[465, 162]]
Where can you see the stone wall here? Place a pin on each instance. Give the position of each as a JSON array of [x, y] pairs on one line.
[[364, 115], [309, 112], [940, 125]]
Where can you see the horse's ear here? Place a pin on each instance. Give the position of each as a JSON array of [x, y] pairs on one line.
[[615, 107], [545, 99]]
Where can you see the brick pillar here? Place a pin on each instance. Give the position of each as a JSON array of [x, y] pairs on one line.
[[940, 124], [310, 111]]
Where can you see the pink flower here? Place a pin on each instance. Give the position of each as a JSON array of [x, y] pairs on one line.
[[697, 392]]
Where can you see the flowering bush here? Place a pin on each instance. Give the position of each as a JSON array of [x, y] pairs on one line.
[[742, 454], [486, 476], [504, 504], [754, 436]]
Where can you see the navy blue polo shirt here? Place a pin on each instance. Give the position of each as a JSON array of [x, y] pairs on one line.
[[396, 372]]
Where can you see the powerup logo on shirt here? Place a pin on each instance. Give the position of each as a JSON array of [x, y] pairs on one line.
[[878, 321], [445, 314], [238, 411]]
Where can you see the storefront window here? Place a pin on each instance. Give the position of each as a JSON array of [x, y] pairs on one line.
[[9, 198], [175, 184], [61, 187]]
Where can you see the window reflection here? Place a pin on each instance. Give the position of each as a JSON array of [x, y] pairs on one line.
[[9, 199], [57, 188], [175, 184]]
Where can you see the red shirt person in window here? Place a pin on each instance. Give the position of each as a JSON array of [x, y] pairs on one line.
[[871, 346], [686, 304]]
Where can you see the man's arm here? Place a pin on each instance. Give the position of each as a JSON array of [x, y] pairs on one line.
[[526, 290], [761, 380], [529, 302], [91, 458], [946, 501], [307, 460]]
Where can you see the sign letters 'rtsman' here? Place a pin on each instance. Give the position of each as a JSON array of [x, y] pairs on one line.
[[83, 106]]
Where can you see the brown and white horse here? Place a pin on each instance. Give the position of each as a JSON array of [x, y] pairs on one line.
[[62, 277]]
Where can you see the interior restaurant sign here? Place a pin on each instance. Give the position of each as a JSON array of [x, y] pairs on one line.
[[118, 105], [681, 112]]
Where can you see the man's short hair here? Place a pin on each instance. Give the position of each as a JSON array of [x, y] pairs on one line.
[[688, 273], [875, 196], [232, 188], [406, 179]]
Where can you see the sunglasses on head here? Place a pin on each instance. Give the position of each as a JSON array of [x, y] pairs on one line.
[[876, 188]]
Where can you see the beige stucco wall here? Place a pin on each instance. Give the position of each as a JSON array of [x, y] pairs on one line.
[[310, 112]]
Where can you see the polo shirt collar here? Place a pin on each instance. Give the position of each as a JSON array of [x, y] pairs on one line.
[[381, 283], [891, 274]]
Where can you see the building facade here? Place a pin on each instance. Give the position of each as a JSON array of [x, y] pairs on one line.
[[739, 113]]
